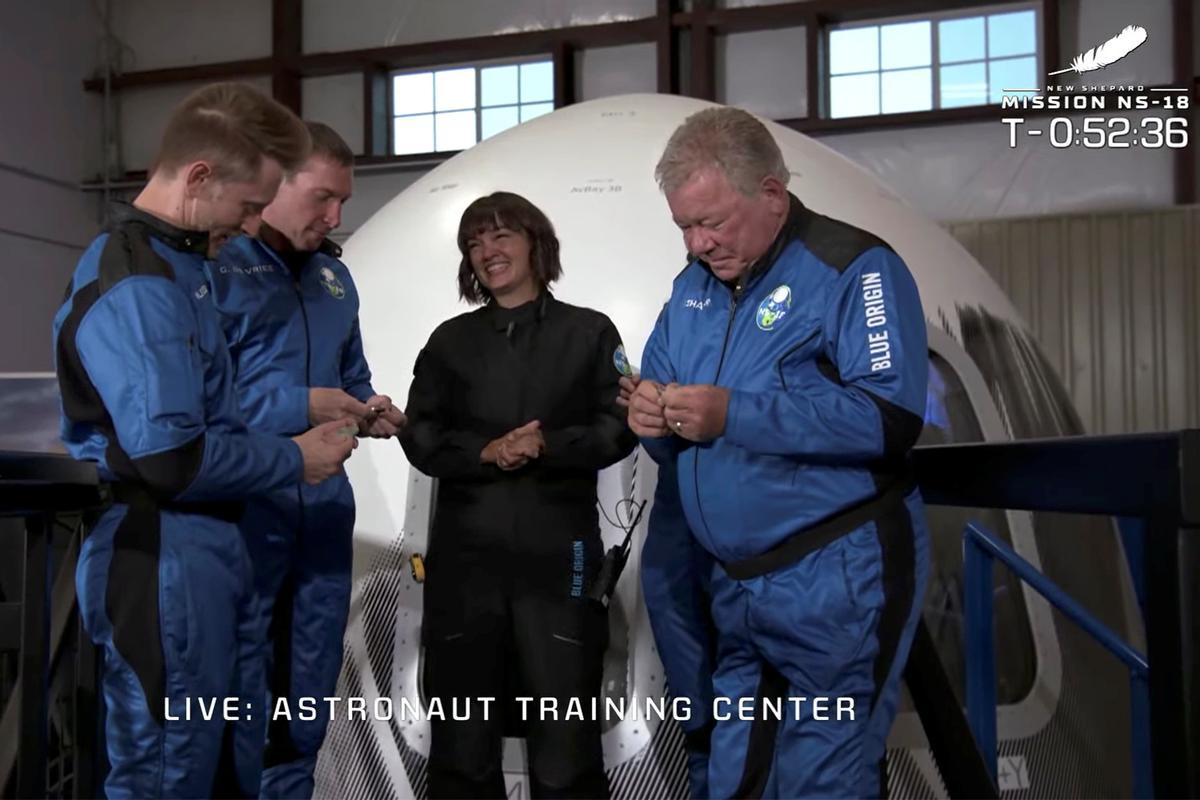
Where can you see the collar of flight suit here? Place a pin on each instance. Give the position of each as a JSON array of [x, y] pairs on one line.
[[121, 213], [535, 309], [327, 246]]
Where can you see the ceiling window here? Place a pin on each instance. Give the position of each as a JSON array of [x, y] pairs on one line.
[[937, 61], [454, 108]]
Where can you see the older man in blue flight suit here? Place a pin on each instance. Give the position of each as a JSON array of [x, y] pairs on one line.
[[164, 580], [790, 362], [289, 310]]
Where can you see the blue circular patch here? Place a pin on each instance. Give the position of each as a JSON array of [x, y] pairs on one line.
[[621, 362], [774, 308], [332, 284]]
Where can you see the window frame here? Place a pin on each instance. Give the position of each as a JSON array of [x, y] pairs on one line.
[[478, 66], [932, 16]]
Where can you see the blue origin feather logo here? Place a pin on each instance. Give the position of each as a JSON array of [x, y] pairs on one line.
[[774, 308], [1112, 51]]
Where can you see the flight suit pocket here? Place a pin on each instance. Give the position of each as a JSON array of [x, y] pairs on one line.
[[178, 634], [799, 364]]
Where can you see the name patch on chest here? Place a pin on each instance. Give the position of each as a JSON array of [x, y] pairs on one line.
[[876, 315], [234, 269]]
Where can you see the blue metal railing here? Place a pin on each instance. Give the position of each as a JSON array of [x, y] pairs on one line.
[[980, 548]]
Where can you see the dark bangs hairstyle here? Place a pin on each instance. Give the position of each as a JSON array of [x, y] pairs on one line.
[[506, 210]]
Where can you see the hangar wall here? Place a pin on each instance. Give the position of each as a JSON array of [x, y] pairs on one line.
[[1111, 298], [48, 142]]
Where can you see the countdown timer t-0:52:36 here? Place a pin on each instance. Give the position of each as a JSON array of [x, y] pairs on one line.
[[1103, 132]]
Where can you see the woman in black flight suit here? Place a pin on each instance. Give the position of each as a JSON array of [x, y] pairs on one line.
[[513, 409]]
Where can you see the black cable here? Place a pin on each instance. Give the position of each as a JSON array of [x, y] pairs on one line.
[[635, 516]]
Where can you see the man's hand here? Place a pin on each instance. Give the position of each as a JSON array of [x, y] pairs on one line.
[[646, 410], [383, 420], [697, 412], [327, 405], [514, 449], [325, 447], [627, 387]]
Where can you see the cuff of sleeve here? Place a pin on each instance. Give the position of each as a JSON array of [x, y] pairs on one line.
[[736, 419], [362, 392], [295, 457], [472, 445], [661, 449], [558, 442]]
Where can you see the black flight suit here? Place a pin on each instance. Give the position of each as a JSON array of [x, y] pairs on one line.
[[511, 554]]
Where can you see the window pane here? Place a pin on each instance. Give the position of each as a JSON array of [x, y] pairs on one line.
[[455, 130], [907, 90], [455, 89], [854, 95], [498, 86], [961, 40], [951, 418], [853, 50], [495, 120], [535, 110], [964, 85], [537, 82], [1011, 73], [905, 45], [1011, 34], [413, 134], [412, 94]]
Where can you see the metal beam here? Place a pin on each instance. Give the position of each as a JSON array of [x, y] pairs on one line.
[[563, 57], [376, 111], [667, 48], [1182, 16], [1050, 38], [406, 55], [703, 52], [814, 57], [224, 70], [33, 680], [287, 20]]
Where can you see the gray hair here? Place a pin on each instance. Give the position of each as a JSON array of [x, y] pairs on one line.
[[728, 139]]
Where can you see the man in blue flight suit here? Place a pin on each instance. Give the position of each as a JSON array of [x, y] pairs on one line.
[[289, 311], [164, 579], [790, 362]]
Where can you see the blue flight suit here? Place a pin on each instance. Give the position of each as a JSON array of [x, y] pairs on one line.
[[804, 501], [675, 584], [291, 322], [164, 580]]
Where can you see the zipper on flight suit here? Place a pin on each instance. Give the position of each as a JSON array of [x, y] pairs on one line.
[[519, 363], [737, 294], [307, 372]]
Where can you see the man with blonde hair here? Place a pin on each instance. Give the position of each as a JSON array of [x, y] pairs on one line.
[[802, 383], [289, 309], [164, 578]]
